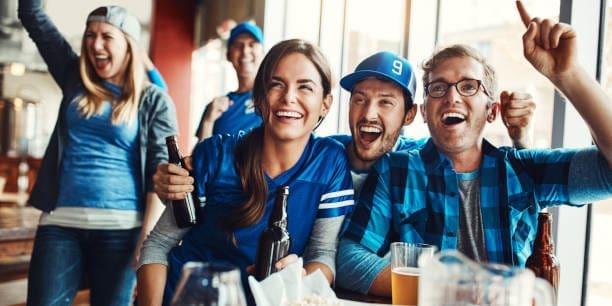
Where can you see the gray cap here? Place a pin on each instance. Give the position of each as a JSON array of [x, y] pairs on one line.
[[118, 17]]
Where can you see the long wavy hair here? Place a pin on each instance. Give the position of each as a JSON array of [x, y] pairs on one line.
[[248, 153], [125, 106]]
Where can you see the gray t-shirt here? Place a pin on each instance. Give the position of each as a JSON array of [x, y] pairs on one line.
[[470, 238]]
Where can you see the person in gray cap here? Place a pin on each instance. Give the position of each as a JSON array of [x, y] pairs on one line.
[[234, 112], [94, 184]]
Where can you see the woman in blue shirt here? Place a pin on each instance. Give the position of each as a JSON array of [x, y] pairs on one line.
[[94, 185], [237, 175]]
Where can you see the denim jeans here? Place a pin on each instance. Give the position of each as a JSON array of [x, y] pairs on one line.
[[63, 255]]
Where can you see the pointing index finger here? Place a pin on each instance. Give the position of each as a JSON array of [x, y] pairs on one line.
[[523, 13]]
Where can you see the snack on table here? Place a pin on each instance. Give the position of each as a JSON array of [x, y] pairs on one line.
[[314, 300]]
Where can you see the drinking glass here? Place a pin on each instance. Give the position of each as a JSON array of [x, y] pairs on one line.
[[209, 284], [405, 270], [450, 278]]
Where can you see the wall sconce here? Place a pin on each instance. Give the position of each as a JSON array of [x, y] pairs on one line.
[[17, 69]]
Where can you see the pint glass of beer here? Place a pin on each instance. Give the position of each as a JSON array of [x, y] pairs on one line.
[[405, 271]]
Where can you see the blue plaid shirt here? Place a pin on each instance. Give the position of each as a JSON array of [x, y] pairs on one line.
[[414, 196]]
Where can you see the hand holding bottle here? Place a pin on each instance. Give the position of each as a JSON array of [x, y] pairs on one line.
[[184, 209], [172, 182]]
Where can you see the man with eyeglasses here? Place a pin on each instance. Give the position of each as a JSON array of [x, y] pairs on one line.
[[459, 191]]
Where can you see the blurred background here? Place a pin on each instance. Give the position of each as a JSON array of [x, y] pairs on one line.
[[186, 41]]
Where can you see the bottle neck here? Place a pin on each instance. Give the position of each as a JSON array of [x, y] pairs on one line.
[[544, 242], [174, 154], [279, 212]]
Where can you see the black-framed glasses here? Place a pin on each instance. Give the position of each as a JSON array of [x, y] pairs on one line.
[[465, 87]]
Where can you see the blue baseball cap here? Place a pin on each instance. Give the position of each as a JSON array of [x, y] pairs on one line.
[[387, 65], [245, 28]]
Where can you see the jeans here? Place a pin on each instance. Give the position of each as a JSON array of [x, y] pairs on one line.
[[63, 255]]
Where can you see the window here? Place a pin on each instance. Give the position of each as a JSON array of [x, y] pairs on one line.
[[498, 36], [369, 29], [599, 282], [347, 32]]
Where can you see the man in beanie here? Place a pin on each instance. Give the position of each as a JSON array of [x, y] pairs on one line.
[[234, 112]]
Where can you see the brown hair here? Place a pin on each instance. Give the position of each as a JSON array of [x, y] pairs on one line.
[[125, 106], [248, 153], [489, 79]]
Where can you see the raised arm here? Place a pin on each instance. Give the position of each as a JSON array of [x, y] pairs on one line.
[[551, 48], [61, 60], [213, 111], [153, 74]]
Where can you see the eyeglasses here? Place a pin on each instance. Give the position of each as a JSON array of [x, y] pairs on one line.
[[465, 87]]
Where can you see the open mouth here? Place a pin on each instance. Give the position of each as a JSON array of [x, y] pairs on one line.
[[101, 60], [289, 115], [452, 118], [369, 133]]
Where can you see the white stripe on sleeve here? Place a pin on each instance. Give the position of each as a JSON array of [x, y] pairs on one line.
[[337, 194]]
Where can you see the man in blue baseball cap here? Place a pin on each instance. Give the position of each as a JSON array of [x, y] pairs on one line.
[[382, 91], [234, 111]]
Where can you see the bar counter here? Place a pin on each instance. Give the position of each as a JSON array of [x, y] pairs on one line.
[[17, 230]]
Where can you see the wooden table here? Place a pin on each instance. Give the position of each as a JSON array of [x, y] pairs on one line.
[[17, 230]]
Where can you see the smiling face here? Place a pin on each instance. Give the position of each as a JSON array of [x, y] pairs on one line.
[[295, 99], [245, 54], [107, 51], [456, 123], [376, 116]]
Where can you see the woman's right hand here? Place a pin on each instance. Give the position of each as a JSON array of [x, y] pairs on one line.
[[172, 182]]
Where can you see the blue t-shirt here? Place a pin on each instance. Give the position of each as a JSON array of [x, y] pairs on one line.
[[97, 150], [240, 116], [319, 187]]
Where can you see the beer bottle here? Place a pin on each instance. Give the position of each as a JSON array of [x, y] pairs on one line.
[[543, 261], [185, 209], [274, 241]]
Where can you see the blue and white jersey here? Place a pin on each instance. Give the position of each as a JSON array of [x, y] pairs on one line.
[[240, 116], [319, 187]]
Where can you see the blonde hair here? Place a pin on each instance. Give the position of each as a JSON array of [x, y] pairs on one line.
[[125, 106]]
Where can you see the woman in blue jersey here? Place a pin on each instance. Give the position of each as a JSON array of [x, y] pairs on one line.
[[94, 185], [236, 176]]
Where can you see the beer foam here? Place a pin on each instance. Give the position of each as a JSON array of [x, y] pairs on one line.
[[406, 270]]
